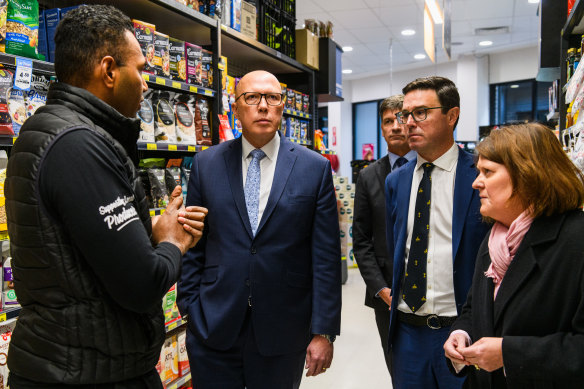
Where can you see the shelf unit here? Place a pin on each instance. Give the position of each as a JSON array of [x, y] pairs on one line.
[[8, 315], [570, 37], [178, 383]]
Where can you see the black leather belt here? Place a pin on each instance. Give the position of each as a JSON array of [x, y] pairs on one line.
[[434, 322]]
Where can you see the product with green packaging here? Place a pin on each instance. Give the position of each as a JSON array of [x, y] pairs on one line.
[[22, 28]]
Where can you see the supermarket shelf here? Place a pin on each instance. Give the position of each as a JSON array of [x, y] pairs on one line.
[[575, 23], [301, 142], [9, 314], [300, 114], [235, 46], [7, 140], [37, 65], [171, 147], [181, 381], [156, 211], [156, 80], [175, 324]]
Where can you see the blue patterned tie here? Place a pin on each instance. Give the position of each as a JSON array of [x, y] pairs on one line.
[[252, 188], [399, 163]]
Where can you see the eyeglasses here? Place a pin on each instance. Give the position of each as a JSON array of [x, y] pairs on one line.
[[255, 98], [418, 114]]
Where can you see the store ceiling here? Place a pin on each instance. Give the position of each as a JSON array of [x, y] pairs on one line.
[[372, 26]]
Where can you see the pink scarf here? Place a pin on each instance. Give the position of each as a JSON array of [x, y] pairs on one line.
[[503, 244]]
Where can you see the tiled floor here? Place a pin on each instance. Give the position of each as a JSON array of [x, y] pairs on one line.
[[358, 361]]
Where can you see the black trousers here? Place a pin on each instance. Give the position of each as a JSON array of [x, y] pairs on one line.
[[382, 320], [150, 380]]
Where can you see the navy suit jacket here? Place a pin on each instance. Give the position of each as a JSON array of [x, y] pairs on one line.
[[291, 269], [468, 229]]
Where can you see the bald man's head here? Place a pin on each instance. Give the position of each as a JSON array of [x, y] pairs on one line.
[[251, 78]]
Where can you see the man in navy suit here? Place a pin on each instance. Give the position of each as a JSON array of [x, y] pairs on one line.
[[430, 288], [262, 291]]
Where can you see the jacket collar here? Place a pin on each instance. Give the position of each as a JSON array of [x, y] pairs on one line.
[[123, 129]]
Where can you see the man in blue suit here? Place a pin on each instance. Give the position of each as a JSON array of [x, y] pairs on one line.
[[262, 291], [433, 233]]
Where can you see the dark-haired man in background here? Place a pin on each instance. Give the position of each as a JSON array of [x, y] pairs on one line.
[[369, 220], [433, 232], [90, 267]]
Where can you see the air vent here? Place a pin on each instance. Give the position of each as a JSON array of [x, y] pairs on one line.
[[492, 30]]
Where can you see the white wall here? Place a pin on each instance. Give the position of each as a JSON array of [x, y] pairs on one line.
[[473, 87], [513, 65], [378, 87]]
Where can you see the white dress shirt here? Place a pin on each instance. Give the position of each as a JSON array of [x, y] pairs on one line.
[[440, 283], [267, 168]]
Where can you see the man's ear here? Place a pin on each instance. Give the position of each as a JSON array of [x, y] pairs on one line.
[[108, 69], [453, 115], [234, 109]]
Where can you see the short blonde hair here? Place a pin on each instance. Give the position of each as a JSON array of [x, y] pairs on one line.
[[543, 177]]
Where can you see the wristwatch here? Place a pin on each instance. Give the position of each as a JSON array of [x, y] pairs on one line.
[[330, 338]]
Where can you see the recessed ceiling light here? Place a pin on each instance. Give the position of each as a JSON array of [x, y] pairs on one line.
[[347, 48], [514, 86], [408, 32], [485, 43], [533, 1], [435, 11], [347, 71], [419, 56]]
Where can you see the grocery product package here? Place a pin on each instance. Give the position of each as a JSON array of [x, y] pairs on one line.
[[17, 109], [146, 116], [22, 28], [225, 132], [164, 127], [158, 190], [185, 120], [169, 361], [161, 54], [144, 33], [5, 85], [178, 65], [194, 55], [202, 126], [36, 97], [3, 13], [207, 69], [183, 359], [5, 336]]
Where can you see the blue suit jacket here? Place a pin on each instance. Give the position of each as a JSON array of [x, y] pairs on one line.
[[468, 229], [291, 270]]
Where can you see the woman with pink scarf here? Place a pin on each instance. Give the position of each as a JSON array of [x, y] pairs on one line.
[[523, 322]]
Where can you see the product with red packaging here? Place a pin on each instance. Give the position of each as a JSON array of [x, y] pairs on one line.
[[194, 56], [5, 85]]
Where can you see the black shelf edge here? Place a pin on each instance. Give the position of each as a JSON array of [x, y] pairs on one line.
[[178, 85], [177, 7], [170, 147], [293, 112], [574, 19], [8, 314], [37, 65], [7, 140], [233, 34]]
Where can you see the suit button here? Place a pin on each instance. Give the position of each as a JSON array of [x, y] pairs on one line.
[[247, 282], [253, 250]]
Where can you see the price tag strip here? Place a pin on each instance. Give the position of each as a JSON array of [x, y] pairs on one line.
[[23, 74]]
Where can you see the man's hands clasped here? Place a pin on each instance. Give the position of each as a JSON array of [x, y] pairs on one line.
[[178, 225]]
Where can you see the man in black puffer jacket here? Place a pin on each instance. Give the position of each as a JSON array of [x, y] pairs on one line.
[[90, 267]]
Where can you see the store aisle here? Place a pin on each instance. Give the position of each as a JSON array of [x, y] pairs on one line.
[[358, 362]]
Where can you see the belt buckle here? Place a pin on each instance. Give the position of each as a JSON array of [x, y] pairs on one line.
[[431, 318]]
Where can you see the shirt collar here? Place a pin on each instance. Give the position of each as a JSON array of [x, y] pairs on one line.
[[394, 157], [270, 148], [446, 161]]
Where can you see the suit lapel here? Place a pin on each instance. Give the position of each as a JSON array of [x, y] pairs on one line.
[[383, 168], [402, 206], [232, 158], [465, 175], [284, 165]]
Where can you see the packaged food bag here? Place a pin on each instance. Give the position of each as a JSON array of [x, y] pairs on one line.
[[22, 28]]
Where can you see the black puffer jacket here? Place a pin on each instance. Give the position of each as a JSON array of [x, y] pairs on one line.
[[89, 281]]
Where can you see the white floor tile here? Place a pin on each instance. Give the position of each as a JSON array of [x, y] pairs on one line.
[[358, 360]]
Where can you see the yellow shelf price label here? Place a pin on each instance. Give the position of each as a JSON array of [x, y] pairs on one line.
[[204, 147], [14, 139], [176, 85], [146, 77], [193, 89], [2, 316], [192, 148], [160, 81], [151, 146], [208, 93], [172, 148]]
